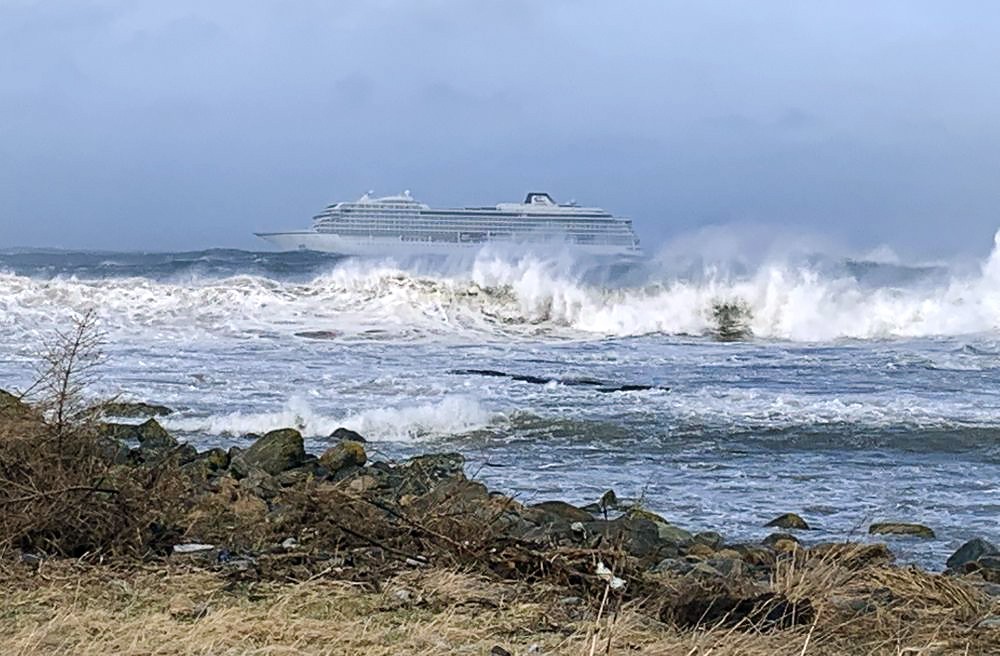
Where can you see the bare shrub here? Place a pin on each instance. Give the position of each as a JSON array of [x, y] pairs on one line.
[[60, 489]]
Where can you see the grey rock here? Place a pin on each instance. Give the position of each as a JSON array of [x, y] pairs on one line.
[[729, 567], [710, 539], [153, 436], [216, 459], [554, 512], [299, 475], [646, 538], [349, 453], [261, 484], [774, 538], [346, 434], [991, 622], [113, 450], [971, 551], [275, 452], [673, 566], [133, 409]]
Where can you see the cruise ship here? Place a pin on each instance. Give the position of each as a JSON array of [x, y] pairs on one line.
[[401, 225]]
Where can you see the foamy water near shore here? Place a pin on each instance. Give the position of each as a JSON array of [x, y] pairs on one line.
[[860, 390]]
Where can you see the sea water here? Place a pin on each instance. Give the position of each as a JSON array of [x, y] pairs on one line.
[[846, 390]]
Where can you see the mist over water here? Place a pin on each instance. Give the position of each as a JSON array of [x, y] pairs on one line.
[[849, 389]]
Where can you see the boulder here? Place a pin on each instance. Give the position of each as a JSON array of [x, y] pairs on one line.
[[129, 409], [346, 434], [754, 555], [775, 538], [260, 484], [113, 450], [666, 531], [309, 471], [989, 568], [556, 512], [647, 539], [672, 566], [901, 528], [700, 550], [970, 552], [349, 453], [216, 459], [421, 474], [788, 521], [437, 466], [153, 436], [731, 567], [710, 539], [149, 434], [275, 452]]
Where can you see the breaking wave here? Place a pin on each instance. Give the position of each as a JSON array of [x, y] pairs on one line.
[[528, 296], [448, 416]]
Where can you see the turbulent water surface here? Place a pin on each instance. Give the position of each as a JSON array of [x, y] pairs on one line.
[[847, 391]]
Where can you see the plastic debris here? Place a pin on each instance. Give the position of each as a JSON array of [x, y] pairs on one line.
[[192, 547], [614, 582]]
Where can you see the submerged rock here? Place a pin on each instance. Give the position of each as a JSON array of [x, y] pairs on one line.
[[901, 528], [788, 521], [133, 409], [275, 452]]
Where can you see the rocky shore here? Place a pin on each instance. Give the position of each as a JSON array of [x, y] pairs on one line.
[[611, 576]]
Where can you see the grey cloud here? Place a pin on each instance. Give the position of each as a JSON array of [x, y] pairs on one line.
[[128, 124]]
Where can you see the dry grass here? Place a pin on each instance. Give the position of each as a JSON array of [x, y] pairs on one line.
[[60, 490], [70, 608]]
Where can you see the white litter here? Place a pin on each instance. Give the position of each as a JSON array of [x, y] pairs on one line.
[[192, 547], [614, 582]]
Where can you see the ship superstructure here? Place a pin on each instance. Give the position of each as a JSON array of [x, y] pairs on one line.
[[400, 224]]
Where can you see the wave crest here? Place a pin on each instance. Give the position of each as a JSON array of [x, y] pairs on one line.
[[528, 296]]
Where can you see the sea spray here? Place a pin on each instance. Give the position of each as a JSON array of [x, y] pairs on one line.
[[495, 296]]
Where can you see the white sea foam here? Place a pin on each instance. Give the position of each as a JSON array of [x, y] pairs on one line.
[[448, 416], [504, 296]]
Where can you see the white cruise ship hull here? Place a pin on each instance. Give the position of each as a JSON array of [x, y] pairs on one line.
[[333, 243]]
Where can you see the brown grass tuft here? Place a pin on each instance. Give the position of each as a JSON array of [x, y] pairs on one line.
[[60, 490]]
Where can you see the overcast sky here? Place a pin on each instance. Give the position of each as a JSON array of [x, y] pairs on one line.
[[190, 124]]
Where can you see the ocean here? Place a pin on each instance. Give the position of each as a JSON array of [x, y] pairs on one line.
[[720, 393]]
